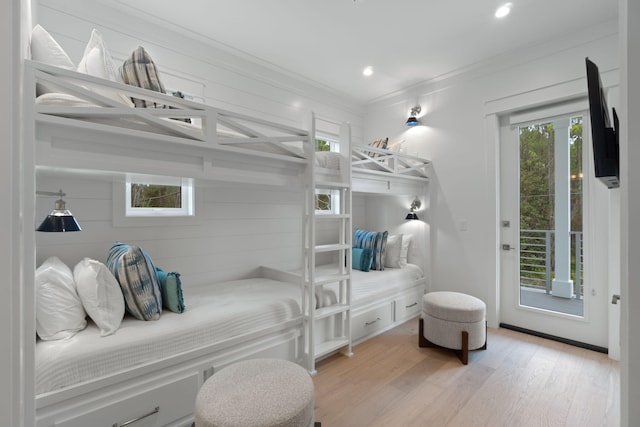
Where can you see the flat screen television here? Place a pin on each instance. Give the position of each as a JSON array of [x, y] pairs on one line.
[[604, 134]]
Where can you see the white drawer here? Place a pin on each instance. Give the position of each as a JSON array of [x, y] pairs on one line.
[[372, 320], [408, 306], [161, 405]]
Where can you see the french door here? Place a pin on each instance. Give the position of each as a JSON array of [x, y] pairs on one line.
[[545, 238]]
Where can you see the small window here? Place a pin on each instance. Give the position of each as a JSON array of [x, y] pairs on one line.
[[153, 196], [327, 144], [327, 202]]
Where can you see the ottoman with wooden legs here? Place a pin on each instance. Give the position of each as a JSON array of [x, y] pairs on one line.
[[453, 320]]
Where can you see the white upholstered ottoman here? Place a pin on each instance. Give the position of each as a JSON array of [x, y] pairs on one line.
[[453, 320], [256, 393]]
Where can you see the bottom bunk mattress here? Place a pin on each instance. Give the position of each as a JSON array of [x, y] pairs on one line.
[[372, 285], [214, 314]]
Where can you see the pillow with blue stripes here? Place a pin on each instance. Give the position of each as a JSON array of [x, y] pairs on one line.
[[136, 274], [374, 240]]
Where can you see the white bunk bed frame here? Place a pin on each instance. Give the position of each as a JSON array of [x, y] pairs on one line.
[[225, 148]]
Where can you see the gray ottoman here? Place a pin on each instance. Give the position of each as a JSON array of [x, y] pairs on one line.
[[453, 320], [256, 393]]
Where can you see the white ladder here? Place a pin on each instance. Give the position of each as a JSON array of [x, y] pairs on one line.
[[328, 327]]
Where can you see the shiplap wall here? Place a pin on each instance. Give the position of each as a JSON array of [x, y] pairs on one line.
[[239, 227]]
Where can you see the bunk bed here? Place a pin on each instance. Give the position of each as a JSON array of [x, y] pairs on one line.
[[80, 125], [151, 371]]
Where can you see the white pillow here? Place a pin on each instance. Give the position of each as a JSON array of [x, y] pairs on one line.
[[100, 294], [392, 251], [44, 48], [404, 250], [59, 312], [97, 62]]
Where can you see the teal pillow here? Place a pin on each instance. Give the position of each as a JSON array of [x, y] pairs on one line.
[[171, 289], [361, 259]]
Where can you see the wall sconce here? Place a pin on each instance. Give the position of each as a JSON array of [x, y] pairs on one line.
[[415, 205], [413, 117], [60, 219]]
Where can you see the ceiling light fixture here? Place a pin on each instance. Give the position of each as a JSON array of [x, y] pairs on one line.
[[503, 10], [368, 71]]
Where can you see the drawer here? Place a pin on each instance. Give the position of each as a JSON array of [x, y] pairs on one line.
[[408, 306], [370, 321], [161, 405]]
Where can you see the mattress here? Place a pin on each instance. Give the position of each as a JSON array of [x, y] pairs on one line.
[[213, 314], [372, 285]]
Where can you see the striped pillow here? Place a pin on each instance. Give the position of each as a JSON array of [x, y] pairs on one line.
[[379, 143], [136, 274], [374, 240], [140, 70]]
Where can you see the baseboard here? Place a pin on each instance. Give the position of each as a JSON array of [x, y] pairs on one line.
[[555, 338]]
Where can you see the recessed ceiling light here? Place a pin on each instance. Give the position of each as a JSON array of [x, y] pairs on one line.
[[503, 10], [367, 71]]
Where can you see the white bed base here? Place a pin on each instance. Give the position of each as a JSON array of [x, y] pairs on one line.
[[369, 317], [170, 384]]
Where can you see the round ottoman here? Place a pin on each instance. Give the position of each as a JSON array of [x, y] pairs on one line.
[[256, 393], [453, 320]]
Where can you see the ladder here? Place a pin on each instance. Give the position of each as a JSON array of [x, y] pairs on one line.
[[327, 239]]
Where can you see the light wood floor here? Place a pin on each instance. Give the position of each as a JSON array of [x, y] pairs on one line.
[[519, 381]]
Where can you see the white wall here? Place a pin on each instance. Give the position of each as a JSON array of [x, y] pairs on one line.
[[629, 12], [10, 262], [239, 228], [454, 137]]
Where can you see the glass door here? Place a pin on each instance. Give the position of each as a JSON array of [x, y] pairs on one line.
[[544, 232]]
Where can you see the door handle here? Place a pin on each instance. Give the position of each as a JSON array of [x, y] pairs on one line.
[[507, 247], [615, 298]]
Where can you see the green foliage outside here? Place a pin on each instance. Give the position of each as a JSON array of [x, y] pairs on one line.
[[323, 201], [537, 193], [322, 145], [156, 196]]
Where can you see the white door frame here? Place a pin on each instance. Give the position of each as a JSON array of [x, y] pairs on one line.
[[593, 327]]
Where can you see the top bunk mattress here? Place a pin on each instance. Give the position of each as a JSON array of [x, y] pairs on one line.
[[214, 314]]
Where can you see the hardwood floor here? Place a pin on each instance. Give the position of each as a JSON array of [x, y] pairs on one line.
[[520, 380]]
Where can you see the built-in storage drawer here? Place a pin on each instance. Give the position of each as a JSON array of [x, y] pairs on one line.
[[160, 405], [408, 306], [372, 320]]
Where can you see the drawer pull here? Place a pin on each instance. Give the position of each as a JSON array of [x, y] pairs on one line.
[[371, 323], [127, 423], [412, 305]]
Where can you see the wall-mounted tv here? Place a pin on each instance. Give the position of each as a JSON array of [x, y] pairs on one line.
[[604, 134]]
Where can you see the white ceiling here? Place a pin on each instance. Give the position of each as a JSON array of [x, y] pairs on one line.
[[405, 41]]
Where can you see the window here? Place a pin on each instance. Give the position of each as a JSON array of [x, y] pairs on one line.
[[155, 201], [150, 196], [327, 201]]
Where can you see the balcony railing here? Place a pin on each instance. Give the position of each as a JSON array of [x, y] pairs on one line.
[[537, 260]]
